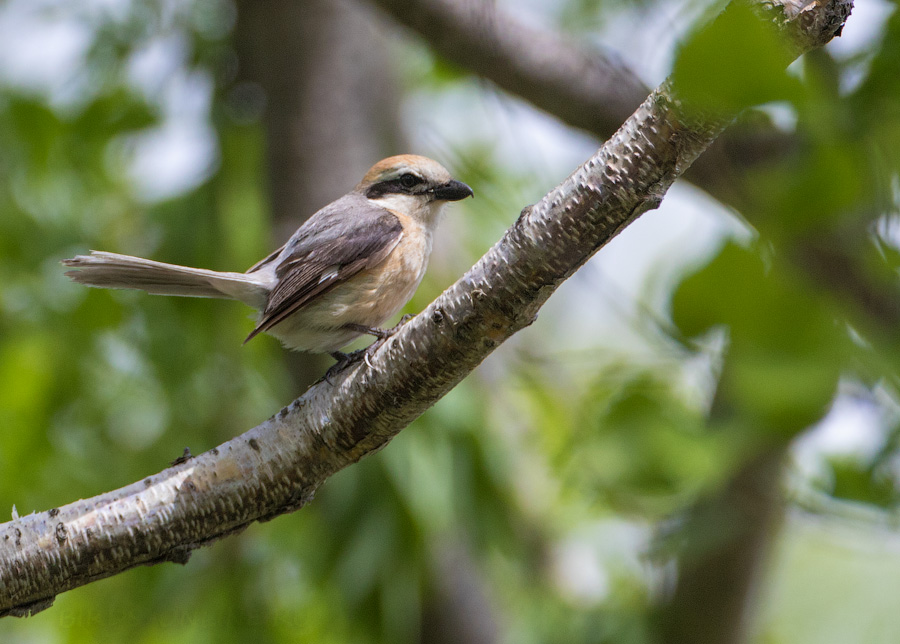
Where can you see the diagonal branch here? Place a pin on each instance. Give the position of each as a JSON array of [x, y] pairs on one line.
[[587, 88], [277, 466]]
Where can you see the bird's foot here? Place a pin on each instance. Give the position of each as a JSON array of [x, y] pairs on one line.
[[381, 334], [344, 360]]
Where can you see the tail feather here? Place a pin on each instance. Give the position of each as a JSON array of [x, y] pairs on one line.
[[111, 270]]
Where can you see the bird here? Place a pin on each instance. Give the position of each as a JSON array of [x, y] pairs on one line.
[[345, 271]]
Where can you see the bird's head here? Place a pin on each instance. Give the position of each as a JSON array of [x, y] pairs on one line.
[[414, 185]]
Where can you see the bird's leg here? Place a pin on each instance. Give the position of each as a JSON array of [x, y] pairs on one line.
[[381, 334], [346, 359]]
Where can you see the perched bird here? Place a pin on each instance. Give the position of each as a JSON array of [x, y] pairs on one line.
[[343, 273]]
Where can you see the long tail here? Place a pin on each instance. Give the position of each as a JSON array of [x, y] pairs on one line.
[[111, 270]]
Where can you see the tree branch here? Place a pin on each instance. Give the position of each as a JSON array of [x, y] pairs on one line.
[[277, 466], [586, 88]]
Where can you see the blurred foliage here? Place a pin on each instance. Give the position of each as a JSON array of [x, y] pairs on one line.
[[733, 62], [541, 480]]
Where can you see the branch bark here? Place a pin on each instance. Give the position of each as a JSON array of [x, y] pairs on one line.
[[277, 466]]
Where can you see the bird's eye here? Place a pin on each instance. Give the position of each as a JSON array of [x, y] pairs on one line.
[[409, 180]]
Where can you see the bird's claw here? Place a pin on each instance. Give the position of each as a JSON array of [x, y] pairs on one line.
[[344, 360]]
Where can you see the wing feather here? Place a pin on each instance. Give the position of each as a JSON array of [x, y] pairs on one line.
[[326, 252]]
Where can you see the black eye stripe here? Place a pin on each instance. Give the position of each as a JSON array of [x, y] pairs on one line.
[[405, 184]]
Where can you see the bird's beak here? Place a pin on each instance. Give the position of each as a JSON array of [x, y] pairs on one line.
[[453, 190]]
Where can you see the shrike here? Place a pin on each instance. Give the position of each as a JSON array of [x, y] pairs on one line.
[[343, 273]]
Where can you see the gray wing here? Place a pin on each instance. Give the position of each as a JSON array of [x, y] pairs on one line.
[[345, 237]]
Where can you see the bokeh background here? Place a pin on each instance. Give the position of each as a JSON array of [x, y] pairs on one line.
[[701, 428]]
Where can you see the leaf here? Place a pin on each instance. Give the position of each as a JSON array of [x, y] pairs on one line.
[[732, 63], [787, 347]]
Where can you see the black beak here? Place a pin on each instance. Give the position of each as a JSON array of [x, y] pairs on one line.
[[453, 190]]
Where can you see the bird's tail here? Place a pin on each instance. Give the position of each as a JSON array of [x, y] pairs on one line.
[[111, 270]]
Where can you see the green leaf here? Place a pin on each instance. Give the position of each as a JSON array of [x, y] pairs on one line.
[[787, 348], [732, 63]]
